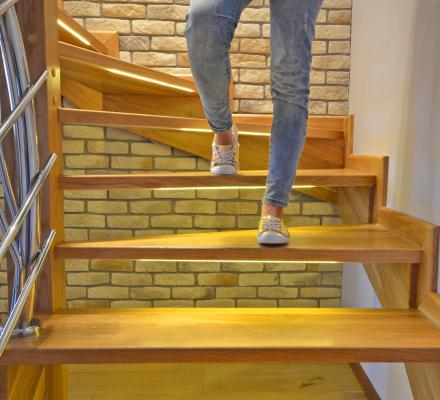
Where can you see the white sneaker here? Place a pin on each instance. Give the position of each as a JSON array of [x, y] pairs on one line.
[[272, 230], [225, 158]]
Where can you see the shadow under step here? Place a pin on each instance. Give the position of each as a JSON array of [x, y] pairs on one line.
[[332, 243], [229, 335]]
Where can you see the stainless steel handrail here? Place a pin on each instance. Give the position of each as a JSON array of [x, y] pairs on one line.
[[24, 209], [6, 5], [18, 111], [24, 295]]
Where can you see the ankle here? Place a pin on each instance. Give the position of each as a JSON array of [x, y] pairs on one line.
[[274, 211], [224, 138]]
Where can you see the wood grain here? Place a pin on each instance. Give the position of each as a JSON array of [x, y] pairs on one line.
[[230, 335], [342, 243], [324, 177]]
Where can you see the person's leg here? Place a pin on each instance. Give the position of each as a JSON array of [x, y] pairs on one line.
[[292, 34], [210, 27]]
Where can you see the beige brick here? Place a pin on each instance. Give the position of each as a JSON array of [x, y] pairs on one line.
[[243, 267], [107, 207], [320, 292], [150, 293], [180, 279], [134, 43], [300, 279], [105, 234], [150, 27], [127, 221], [173, 303], [237, 207], [277, 292], [96, 146], [256, 303], [236, 292], [205, 266], [167, 12], [75, 292], [85, 194], [168, 43], [107, 292], [150, 149], [74, 206], [82, 8], [284, 267], [214, 222], [112, 265], [215, 303], [223, 279], [86, 161], [175, 194], [131, 279], [248, 61], [174, 163], [128, 11], [85, 303], [87, 278], [84, 220], [76, 265], [73, 146], [171, 221], [155, 266], [332, 303], [319, 208], [130, 304], [195, 207], [217, 194], [150, 207], [130, 194], [131, 162], [260, 279], [339, 17], [333, 32], [193, 293], [153, 59], [108, 24], [332, 278], [298, 303]]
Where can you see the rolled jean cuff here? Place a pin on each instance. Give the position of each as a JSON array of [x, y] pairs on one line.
[[221, 130], [274, 202]]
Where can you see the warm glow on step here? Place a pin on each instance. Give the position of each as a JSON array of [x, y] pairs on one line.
[[73, 33], [145, 79]]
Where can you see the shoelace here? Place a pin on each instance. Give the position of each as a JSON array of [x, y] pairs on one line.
[[272, 224], [223, 156]]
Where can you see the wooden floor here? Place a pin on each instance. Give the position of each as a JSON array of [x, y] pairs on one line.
[[213, 382]]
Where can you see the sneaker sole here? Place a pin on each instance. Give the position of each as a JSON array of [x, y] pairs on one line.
[[272, 238], [224, 170]]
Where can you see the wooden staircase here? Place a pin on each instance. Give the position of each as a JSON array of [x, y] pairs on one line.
[[395, 248]]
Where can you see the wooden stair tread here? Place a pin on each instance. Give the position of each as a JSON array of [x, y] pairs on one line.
[[341, 243], [232, 335], [67, 37], [92, 69], [318, 177], [132, 120]]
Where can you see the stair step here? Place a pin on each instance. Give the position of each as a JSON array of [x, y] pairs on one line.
[[112, 75], [306, 177], [229, 335], [131, 120], [73, 33], [338, 243]]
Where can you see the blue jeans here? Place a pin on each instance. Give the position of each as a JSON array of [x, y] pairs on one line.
[[210, 27]]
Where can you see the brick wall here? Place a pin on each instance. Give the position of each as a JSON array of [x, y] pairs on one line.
[[151, 34], [103, 214]]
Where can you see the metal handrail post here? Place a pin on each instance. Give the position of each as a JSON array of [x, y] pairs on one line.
[[24, 295]]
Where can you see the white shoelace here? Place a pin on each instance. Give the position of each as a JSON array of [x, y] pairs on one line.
[[272, 224], [222, 156]]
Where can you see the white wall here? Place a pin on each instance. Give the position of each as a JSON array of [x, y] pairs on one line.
[[395, 96]]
